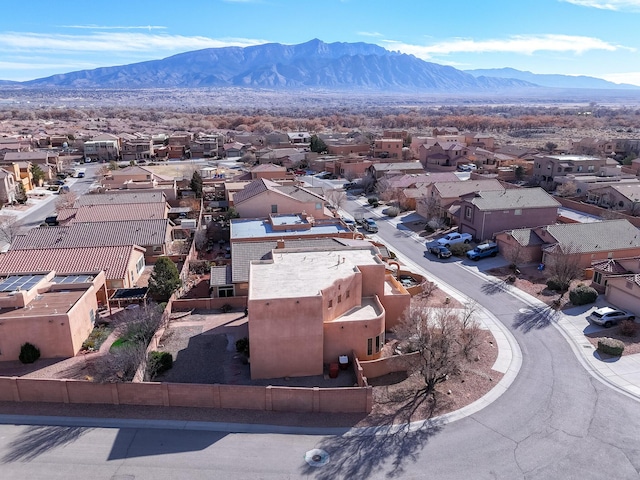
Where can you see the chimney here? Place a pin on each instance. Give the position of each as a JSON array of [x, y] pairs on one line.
[[280, 244]]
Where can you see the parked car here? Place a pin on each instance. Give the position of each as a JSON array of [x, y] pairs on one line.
[[350, 223], [370, 225], [452, 238], [489, 249], [349, 185], [439, 250], [607, 316]]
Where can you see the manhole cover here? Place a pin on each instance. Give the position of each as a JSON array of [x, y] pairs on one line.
[[316, 457]]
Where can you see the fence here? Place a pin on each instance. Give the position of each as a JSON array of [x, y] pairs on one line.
[[186, 304], [270, 398]]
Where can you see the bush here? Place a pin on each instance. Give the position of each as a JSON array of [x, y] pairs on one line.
[[158, 362], [29, 353], [582, 294], [391, 211], [628, 328], [242, 346], [459, 249], [200, 267], [557, 285], [610, 346], [226, 308], [373, 201]]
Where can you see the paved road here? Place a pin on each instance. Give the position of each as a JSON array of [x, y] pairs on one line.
[[555, 421]]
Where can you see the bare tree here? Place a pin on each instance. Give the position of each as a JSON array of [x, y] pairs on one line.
[[66, 200], [336, 197], [563, 266], [9, 228], [432, 210], [514, 253], [201, 239], [387, 192], [443, 339], [568, 189]]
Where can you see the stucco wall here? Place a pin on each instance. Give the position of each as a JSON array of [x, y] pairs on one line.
[[259, 206], [286, 337], [335, 400], [344, 337]]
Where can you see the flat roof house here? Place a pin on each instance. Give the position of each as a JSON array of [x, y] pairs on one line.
[[307, 307]]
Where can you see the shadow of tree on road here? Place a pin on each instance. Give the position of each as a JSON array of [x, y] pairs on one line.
[[38, 440], [495, 286], [361, 455], [535, 318]]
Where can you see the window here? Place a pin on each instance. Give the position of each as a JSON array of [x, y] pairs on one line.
[[140, 265], [592, 168], [225, 291], [467, 212], [318, 206], [377, 343], [517, 211], [347, 294], [274, 208], [597, 278], [370, 346], [92, 316], [339, 298], [330, 304]]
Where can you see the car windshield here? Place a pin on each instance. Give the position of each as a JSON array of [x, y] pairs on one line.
[[597, 314]]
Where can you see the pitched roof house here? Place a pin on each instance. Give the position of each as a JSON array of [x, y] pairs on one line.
[[153, 235], [122, 264], [262, 197], [483, 214]]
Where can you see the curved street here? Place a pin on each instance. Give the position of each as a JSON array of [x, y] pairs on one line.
[[555, 421]]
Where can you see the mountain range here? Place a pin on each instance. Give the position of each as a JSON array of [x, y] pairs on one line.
[[310, 65]]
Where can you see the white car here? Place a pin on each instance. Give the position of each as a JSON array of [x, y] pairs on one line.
[[607, 316]]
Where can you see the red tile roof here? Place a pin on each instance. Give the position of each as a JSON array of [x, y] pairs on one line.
[[113, 260], [112, 213]]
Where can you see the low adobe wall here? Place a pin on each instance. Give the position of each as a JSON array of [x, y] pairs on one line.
[[383, 366], [186, 304], [247, 397]]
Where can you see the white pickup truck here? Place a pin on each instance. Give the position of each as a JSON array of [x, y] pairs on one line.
[[453, 238]]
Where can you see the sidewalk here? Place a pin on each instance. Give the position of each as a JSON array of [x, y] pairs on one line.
[[622, 373]]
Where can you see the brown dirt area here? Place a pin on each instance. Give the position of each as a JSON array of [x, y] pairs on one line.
[[631, 343]]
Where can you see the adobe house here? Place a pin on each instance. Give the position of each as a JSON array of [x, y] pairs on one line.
[[309, 306], [54, 312]]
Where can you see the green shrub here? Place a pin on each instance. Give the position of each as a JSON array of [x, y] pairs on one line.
[[242, 346], [460, 249], [158, 362], [96, 338], [391, 211], [610, 346], [555, 284], [373, 201], [628, 328], [29, 353], [582, 294]]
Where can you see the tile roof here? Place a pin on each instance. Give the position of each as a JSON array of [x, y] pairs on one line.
[[115, 198], [113, 260], [300, 193], [594, 237], [111, 213], [513, 198], [526, 237], [140, 232], [27, 156], [457, 189], [268, 167], [254, 188], [409, 180], [242, 253], [609, 265], [400, 166]]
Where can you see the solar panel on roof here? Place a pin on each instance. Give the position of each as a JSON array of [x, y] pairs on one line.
[[19, 282], [73, 279]]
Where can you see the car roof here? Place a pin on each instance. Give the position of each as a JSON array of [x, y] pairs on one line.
[[604, 310]]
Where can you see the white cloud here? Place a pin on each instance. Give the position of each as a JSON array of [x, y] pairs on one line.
[[114, 42], [370, 34], [519, 44], [633, 5], [116, 27], [632, 78]]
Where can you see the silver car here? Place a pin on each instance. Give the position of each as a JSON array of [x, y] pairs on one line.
[[607, 316]]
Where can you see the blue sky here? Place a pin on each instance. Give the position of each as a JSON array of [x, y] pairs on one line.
[[599, 38]]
